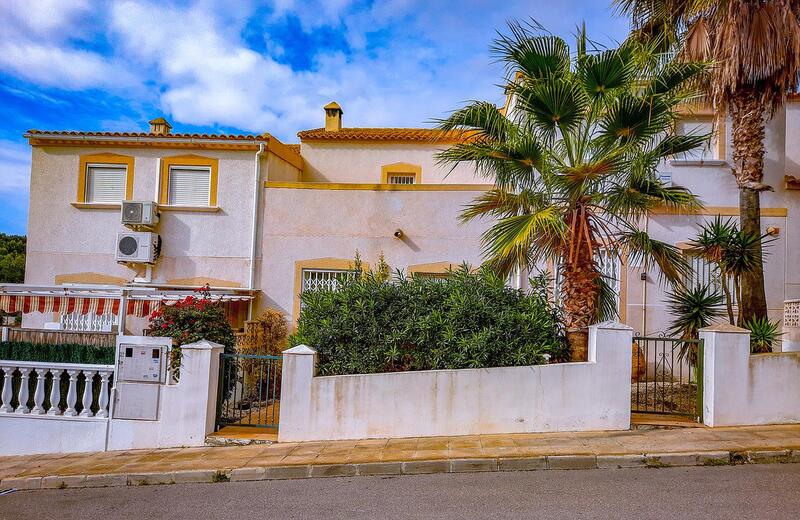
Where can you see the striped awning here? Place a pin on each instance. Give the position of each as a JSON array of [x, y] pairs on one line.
[[69, 304]]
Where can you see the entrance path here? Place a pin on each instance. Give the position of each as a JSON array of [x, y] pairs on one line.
[[539, 451]]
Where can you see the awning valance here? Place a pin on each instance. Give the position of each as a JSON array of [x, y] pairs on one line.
[[71, 304]]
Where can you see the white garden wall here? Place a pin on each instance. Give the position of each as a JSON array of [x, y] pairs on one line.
[[186, 413], [740, 388], [594, 395]]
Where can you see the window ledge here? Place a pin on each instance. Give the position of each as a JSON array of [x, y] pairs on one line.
[[95, 205], [201, 209], [710, 162]]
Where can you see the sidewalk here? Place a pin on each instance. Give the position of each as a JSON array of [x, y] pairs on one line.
[[517, 452]]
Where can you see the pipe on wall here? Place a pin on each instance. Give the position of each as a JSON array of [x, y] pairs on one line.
[[254, 223]]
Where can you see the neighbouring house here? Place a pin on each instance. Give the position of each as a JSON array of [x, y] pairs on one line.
[[259, 220]]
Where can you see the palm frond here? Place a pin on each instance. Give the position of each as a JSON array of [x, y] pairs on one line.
[[672, 265]]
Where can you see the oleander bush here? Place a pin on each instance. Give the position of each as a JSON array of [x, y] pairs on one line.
[[468, 319]]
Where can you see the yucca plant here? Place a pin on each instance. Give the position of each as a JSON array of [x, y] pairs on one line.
[[574, 161], [692, 309], [734, 252], [764, 334]]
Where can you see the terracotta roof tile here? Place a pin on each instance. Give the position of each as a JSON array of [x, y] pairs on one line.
[[294, 147], [230, 137], [380, 134]]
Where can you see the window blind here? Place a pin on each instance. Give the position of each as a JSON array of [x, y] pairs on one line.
[[105, 183], [189, 185]]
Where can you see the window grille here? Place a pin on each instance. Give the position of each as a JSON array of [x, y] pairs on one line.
[[105, 183], [402, 178], [324, 279], [189, 186], [705, 273]]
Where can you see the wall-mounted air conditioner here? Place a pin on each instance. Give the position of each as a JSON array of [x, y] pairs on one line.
[[138, 246], [136, 214]]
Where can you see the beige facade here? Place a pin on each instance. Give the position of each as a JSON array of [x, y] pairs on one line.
[[320, 201]]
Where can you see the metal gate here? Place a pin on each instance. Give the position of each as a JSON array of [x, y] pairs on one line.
[[667, 376], [249, 391]]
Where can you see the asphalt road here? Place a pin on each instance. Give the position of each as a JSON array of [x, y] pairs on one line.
[[752, 492]]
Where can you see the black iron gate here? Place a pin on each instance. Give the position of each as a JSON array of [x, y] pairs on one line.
[[667, 376], [249, 391]]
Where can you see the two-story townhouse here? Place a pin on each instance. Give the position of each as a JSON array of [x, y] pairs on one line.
[[253, 217]]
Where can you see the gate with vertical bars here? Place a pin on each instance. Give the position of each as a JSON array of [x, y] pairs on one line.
[[249, 391]]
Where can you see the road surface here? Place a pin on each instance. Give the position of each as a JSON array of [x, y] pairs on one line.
[[729, 492]]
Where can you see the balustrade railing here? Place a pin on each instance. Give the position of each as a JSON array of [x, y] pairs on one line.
[[56, 389]]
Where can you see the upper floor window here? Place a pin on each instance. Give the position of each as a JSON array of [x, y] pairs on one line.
[[189, 181], [105, 179], [711, 150], [105, 183], [189, 186], [401, 173]]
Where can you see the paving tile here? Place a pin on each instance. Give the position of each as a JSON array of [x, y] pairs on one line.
[[370, 455], [430, 454], [397, 455], [497, 441], [298, 459]]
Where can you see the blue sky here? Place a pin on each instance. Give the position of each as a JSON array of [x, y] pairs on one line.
[[246, 66]]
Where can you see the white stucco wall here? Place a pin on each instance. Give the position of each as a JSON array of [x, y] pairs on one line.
[[362, 161], [33, 434], [744, 389], [303, 224], [63, 239], [563, 397]]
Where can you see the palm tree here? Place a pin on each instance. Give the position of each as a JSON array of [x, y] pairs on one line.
[[574, 161], [755, 46]]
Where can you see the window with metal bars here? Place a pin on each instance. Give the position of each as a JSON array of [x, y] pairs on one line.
[[324, 279]]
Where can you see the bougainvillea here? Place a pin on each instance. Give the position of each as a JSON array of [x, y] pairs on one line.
[[194, 318]]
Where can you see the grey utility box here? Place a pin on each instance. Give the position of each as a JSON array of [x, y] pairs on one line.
[[141, 372]]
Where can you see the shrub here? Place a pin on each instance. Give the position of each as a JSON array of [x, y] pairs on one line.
[[192, 319], [266, 336], [467, 320], [65, 353], [764, 334]]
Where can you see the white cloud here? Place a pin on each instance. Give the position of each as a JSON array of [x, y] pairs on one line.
[[15, 167]]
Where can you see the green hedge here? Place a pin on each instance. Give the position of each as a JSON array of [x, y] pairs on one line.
[[64, 353], [466, 320]]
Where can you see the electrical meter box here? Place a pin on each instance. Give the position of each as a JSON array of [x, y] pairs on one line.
[[142, 363], [141, 372]]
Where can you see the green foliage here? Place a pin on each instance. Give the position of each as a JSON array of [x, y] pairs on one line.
[[192, 319], [734, 252], [12, 258], [763, 334], [468, 319], [692, 309], [65, 353]]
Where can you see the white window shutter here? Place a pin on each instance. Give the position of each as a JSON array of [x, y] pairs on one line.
[[189, 185], [105, 183]]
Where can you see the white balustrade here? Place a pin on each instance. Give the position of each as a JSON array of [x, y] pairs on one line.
[[24, 370]]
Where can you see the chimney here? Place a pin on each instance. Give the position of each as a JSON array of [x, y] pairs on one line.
[[160, 126], [333, 117]]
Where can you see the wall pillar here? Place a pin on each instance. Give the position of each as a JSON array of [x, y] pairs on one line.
[[725, 374], [299, 368]]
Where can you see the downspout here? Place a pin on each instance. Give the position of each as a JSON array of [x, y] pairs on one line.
[[644, 283], [254, 225]]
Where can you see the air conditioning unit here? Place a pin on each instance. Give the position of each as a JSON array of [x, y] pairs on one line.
[[138, 246], [139, 213]]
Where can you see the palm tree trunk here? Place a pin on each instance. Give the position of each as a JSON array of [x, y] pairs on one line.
[[748, 127], [725, 278], [579, 292]]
